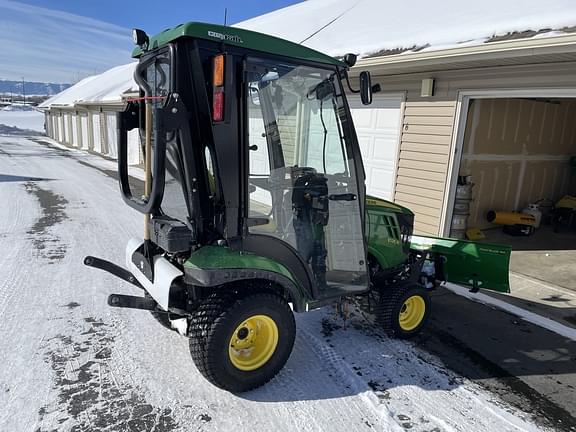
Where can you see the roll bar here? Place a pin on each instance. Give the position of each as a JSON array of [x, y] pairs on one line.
[[170, 117], [127, 120]]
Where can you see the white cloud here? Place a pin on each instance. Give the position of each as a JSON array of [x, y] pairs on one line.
[[46, 45]]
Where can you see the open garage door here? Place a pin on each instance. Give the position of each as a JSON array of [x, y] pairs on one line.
[[378, 128], [516, 184]]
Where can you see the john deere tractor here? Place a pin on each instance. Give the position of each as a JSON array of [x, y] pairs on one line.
[[255, 204]]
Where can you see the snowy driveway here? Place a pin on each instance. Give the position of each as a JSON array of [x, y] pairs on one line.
[[69, 362]]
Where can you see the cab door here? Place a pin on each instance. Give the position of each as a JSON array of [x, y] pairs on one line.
[[303, 185]]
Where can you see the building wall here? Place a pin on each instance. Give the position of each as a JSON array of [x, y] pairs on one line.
[[423, 161], [517, 151], [91, 129], [429, 127]]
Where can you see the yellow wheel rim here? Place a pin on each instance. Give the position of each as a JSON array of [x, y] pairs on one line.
[[253, 342], [412, 313]]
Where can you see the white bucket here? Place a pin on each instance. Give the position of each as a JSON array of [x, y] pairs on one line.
[[459, 222], [458, 234], [464, 192], [462, 207]]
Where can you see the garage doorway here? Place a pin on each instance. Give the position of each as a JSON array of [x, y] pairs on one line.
[[518, 149], [378, 130]]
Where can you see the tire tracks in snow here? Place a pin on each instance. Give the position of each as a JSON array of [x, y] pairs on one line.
[[405, 386]]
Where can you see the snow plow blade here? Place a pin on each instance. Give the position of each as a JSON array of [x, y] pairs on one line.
[[479, 265]]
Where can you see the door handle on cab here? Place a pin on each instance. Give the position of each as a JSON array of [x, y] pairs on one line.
[[343, 197]]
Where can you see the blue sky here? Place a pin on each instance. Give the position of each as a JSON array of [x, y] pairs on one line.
[[66, 40]]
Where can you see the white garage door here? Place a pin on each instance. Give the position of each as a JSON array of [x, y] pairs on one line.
[[112, 134], [378, 128], [84, 127], [97, 132]]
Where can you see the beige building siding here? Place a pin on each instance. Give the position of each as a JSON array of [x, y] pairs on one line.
[[286, 127], [423, 161], [429, 126]]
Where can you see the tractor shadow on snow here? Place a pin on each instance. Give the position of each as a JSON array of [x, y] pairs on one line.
[[7, 178], [333, 358]]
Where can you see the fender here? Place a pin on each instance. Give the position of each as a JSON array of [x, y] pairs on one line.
[[217, 265]]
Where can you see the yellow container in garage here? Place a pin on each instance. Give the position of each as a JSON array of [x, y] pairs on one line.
[[567, 202], [474, 234], [510, 218]]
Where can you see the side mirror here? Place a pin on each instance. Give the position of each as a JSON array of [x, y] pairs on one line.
[[254, 94], [365, 88]]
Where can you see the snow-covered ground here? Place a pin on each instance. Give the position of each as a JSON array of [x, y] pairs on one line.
[[69, 362], [21, 117]]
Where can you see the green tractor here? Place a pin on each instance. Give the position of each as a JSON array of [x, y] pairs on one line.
[[255, 204]]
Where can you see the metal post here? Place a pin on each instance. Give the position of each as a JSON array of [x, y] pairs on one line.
[[148, 165]]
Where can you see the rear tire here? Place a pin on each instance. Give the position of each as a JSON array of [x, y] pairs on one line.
[[404, 311], [240, 343]]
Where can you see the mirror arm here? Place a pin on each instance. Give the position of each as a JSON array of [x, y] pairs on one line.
[[348, 83]]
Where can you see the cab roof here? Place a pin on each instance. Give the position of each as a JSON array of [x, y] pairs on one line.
[[241, 38]]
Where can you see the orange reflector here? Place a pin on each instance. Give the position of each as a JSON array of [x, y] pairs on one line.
[[218, 71], [218, 106]]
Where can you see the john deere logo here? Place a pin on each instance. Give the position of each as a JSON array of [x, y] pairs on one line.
[[225, 37]]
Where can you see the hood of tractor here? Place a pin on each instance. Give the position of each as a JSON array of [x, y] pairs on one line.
[[388, 230], [373, 203]]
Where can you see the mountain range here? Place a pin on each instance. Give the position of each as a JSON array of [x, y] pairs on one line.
[[31, 88]]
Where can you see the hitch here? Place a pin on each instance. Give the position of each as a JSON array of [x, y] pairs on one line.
[[112, 268], [131, 302]]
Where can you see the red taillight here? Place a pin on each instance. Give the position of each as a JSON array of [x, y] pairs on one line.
[[218, 69], [218, 106]]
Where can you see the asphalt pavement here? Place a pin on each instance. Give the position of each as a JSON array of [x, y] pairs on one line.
[[524, 364]]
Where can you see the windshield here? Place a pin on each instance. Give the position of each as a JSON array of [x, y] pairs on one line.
[[301, 105]]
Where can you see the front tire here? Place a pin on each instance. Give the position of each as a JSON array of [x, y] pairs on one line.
[[404, 311], [240, 343]]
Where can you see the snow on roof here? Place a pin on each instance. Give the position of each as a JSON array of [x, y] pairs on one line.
[[106, 87], [367, 27], [370, 27]]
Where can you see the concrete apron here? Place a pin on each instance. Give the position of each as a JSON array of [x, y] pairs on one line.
[[540, 297]]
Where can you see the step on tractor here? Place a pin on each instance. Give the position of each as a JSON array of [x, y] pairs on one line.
[[255, 203]]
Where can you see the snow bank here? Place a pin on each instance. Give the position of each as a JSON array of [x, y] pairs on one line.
[[367, 26], [23, 120], [106, 87]]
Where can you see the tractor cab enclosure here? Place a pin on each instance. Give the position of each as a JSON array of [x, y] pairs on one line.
[[256, 169]]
